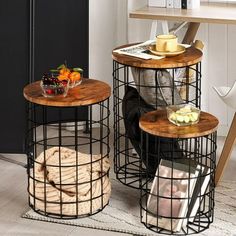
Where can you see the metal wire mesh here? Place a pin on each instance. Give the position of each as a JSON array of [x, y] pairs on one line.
[[68, 168], [178, 199], [181, 81]]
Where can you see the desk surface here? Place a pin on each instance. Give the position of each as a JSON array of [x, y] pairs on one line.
[[220, 13]]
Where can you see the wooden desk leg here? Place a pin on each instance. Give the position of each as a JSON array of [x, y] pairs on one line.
[[191, 33], [153, 32], [164, 25], [226, 152]]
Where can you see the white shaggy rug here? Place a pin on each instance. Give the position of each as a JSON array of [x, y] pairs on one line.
[[122, 213]]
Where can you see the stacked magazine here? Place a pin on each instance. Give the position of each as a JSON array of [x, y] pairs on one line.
[[139, 50], [176, 194]]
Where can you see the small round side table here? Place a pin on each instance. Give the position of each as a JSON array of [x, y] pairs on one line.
[[68, 169], [179, 197]]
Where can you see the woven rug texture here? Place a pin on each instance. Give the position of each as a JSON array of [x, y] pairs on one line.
[[122, 213]]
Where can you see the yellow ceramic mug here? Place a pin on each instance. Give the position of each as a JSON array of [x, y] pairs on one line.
[[166, 43]]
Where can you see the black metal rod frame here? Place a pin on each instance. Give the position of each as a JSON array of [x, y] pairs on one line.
[[44, 134], [126, 162], [201, 152]]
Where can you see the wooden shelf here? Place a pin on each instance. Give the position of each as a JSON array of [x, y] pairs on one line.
[[89, 92], [220, 13], [156, 123], [190, 57]]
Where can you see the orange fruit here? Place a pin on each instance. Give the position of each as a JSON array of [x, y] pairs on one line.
[[74, 76], [62, 77], [65, 71]]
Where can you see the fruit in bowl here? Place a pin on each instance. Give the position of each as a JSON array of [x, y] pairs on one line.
[[53, 87], [183, 115], [74, 75]]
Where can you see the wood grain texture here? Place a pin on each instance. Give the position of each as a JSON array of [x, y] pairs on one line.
[[219, 13], [156, 123], [89, 92], [190, 57]]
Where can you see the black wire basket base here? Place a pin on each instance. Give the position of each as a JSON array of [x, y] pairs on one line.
[[129, 176], [65, 217], [178, 199], [68, 170], [126, 166], [137, 91], [199, 225]]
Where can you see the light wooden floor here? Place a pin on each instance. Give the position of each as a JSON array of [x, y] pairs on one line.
[[13, 202]]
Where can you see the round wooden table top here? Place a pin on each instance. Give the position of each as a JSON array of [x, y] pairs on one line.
[[190, 57], [156, 123], [89, 92]]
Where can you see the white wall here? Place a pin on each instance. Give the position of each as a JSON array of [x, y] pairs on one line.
[[102, 39]]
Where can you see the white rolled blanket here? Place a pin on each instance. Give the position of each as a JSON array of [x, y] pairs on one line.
[[61, 183]]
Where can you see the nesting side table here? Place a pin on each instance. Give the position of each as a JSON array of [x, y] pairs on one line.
[[179, 197], [68, 170], [146, 85]]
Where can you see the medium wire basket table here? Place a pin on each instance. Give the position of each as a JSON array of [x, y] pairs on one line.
[[68, 168]]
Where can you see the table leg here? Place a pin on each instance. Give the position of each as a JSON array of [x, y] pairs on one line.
[[153, 29], [164, 25], [191, 32], [227, 149]]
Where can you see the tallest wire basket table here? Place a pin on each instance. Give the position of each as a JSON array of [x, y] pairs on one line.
[[148, 85]]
